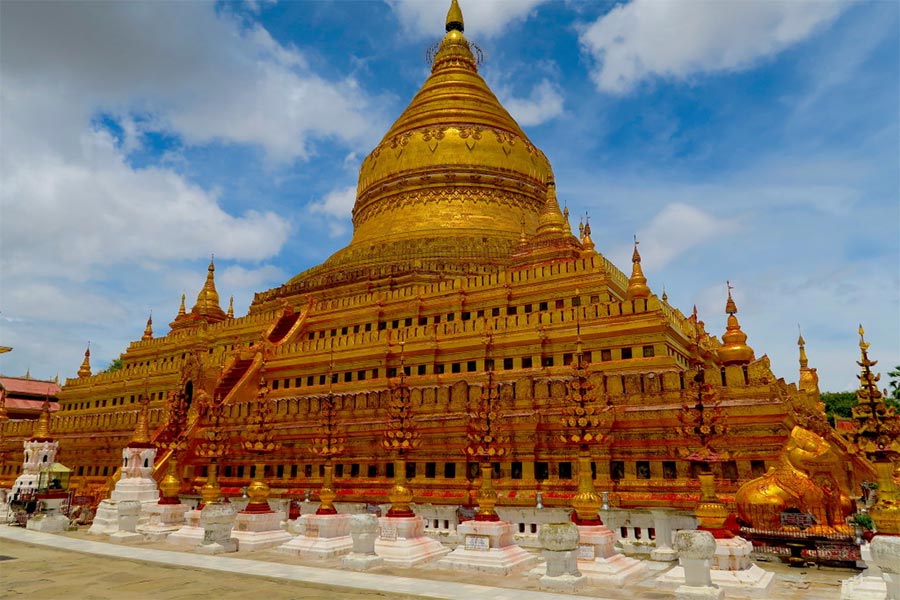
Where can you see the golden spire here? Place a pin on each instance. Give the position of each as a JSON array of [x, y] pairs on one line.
[[148, 330], [42, 428], [208, 298], [142, 427], [85, 369], [665, 296], [734, 350], [586, 240], [551, 219], [231, 308], [181, 311], [809, 379], [637, 283], [28, 373], [455, 18]]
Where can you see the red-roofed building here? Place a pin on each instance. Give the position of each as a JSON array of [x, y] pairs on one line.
[[24, 396]]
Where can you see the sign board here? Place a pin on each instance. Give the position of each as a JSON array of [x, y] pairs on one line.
[[478, 542], [587, 552], [388, 533], [796, 519]]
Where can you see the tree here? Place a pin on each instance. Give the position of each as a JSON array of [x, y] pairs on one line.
[[114, 365], [839, 404], [894, 385]]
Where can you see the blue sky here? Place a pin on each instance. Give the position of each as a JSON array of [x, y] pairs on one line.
[[756, 142]]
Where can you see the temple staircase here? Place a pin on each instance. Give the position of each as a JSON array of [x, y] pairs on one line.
[[234, 376]]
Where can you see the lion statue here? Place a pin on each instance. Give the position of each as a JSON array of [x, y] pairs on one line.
[[809, 479]]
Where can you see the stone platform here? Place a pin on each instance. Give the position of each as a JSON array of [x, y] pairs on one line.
[[403, 543], [319, 536], [487, 547], [259, 530]]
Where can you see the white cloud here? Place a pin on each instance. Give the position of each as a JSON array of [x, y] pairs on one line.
[[250, 279], [545, 102], [337, 205], [189, 69], [674, 230], [484, 18], [677, 39]]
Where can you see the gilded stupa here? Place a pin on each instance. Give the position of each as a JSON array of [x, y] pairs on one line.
[[458, 238]]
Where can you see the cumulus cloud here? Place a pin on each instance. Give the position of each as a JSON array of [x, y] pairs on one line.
[[485, 18], [90, 235], [677, 39], [337, 206], [674, 230], [544, 103]]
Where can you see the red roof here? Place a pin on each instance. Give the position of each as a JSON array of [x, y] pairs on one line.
[[34, 405], [18, 386]]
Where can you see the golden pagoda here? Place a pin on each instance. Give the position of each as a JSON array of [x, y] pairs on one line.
[[458, 235]]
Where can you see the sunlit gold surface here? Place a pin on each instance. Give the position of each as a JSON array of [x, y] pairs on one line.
[[211, 492], [486, 497], [637, 284], [400, 495], [886, 510], [327, 493], [452, 180], [170, 486], [85, 369], [711, 512], [808, 478], [586, 500], [258, 491], [42, 428], [734, 350], [142, 429]]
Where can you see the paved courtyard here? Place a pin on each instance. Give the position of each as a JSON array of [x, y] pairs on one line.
[[81, 567]]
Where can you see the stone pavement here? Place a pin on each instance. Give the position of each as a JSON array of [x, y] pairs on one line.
[[77, 567]]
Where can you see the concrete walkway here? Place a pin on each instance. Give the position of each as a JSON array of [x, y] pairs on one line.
[[75, 565], [390, 585]]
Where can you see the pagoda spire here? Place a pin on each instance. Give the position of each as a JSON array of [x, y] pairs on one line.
[[230, 314], [455, 18], [85, 369], [552, 220], [734, 350], [586, 240], [809, 379], [141, 435], [148, 330], [42, 427], [637, 283], [181, 311], [208, 298]]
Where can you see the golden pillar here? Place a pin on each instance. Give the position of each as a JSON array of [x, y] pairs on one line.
[[211, 492], [258, 491], [711, 511], [486, 496], [170, 486], [401, 494], [586, 501], [327, 493]]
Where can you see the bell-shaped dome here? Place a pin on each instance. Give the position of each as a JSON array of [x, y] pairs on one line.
[[452, 184]]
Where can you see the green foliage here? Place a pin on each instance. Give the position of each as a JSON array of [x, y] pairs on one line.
[[838, 404], [114, 365], [864, 521], [894, 385]]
